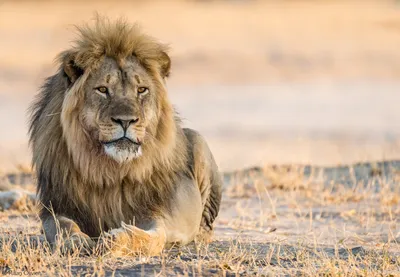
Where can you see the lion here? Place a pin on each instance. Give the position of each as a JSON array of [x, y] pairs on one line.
[[111, 156]]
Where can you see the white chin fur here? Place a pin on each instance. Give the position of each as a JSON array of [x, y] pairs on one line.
[[122, 155]]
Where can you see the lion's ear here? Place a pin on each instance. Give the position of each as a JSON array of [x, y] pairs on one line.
[[71, 69], [165, 64]]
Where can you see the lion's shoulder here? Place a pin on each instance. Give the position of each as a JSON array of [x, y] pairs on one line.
[[193, 136], [197, 145], [200, 156]]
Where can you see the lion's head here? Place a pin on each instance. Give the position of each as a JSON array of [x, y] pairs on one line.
[[121, 93], [108, 106]]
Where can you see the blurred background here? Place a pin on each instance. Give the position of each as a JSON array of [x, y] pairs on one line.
[[265, 81]]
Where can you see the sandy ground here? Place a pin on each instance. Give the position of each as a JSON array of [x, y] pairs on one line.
[[275, 220]]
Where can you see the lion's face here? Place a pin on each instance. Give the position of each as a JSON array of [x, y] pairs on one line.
[[119, 104]]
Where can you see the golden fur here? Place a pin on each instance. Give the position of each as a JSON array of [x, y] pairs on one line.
[[75, 179]]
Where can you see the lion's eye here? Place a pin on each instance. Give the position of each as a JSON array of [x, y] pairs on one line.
[[102, 90], [142, 90]]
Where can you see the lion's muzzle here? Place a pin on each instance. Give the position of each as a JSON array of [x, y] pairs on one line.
[[124, 145]]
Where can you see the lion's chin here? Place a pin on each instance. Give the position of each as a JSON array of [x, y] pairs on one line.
[[123, 153]]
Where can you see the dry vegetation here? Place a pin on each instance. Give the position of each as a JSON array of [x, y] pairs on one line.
[[277, 220], [274, 221]]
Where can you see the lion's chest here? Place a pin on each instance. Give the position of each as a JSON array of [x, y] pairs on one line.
[[124, 203]]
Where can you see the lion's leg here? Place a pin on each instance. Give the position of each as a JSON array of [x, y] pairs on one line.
[[209, 183], [183, 223], [211, 200], [177, 226], [131, 240], [66, 234]]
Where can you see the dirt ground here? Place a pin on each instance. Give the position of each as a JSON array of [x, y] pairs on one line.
[[299, 103], [277, 220]]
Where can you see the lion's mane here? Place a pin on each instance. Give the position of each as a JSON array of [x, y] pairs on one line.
[[72, 177]]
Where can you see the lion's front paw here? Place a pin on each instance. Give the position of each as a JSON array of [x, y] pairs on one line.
[[131, 240], [77, 243], [116, 238]]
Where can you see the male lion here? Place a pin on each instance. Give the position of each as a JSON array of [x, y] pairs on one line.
[[110, 153]]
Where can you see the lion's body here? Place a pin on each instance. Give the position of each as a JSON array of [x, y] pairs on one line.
[[169, 186]]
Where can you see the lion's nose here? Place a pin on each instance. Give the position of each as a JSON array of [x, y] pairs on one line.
[[125, 122]]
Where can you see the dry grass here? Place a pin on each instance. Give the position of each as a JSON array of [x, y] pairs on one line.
[[275, 220], [286, 220]]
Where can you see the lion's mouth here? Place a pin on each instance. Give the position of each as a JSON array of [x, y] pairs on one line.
[[123, 141], [123, 149]]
